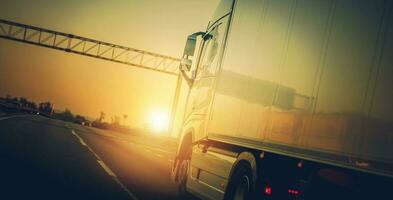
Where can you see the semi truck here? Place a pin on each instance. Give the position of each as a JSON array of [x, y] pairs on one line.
[[289, 99]]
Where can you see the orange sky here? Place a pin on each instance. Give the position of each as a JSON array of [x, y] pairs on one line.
[[87, 85]]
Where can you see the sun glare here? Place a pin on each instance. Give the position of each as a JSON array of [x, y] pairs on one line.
[[159, 122]]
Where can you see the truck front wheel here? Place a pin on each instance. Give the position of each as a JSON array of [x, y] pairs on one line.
[[182, 177], [241, 183]]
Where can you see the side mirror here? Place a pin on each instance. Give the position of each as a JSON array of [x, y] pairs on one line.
[[189, 50]]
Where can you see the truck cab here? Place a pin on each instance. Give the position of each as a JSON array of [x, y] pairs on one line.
[[289, 100], [200, 66]]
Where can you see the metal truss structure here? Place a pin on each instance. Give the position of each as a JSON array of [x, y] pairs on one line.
[[97, 49], [88, 47]]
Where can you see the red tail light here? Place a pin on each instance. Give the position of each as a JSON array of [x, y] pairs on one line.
[[293, 192], [268, 190]]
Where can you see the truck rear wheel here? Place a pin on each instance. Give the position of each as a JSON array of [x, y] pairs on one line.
[[182, 178], [241, 183]]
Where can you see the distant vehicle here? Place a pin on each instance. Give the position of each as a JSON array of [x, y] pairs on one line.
[[81, 120], [289, 100]]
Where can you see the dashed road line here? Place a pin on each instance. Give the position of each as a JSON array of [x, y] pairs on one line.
[[12, 116], [105, 167], [125, 189], [80, 139], [158, 155], [147, 148], [134, 143]]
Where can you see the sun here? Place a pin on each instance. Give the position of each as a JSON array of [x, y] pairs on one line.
[[159, 122]]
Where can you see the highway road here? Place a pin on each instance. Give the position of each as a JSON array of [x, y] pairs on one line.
[[42, 158]]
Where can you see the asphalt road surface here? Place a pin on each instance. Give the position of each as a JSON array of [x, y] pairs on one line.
[[43, 158]]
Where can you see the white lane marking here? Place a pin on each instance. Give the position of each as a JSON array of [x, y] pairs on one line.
[[170, 160], [147, 148], [135, 143], [80, 139], [107, 135], [158, 155], [125, 189], [106, 168], [13, 116]]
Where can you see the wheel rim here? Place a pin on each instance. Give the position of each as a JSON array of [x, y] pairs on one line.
[[242, 189]]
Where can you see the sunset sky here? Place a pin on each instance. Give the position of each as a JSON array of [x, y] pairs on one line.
[[87, 85]]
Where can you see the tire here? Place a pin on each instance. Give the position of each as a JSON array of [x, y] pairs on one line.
[[182, 178], [241, 184], [182, 165]]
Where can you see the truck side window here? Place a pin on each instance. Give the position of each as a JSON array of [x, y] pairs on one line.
[[209, 60], [213, 48]]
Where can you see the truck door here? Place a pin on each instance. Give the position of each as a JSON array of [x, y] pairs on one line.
[[208, 168], [201, 93]]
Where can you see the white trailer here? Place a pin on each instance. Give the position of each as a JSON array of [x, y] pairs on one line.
[[290, 99]]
